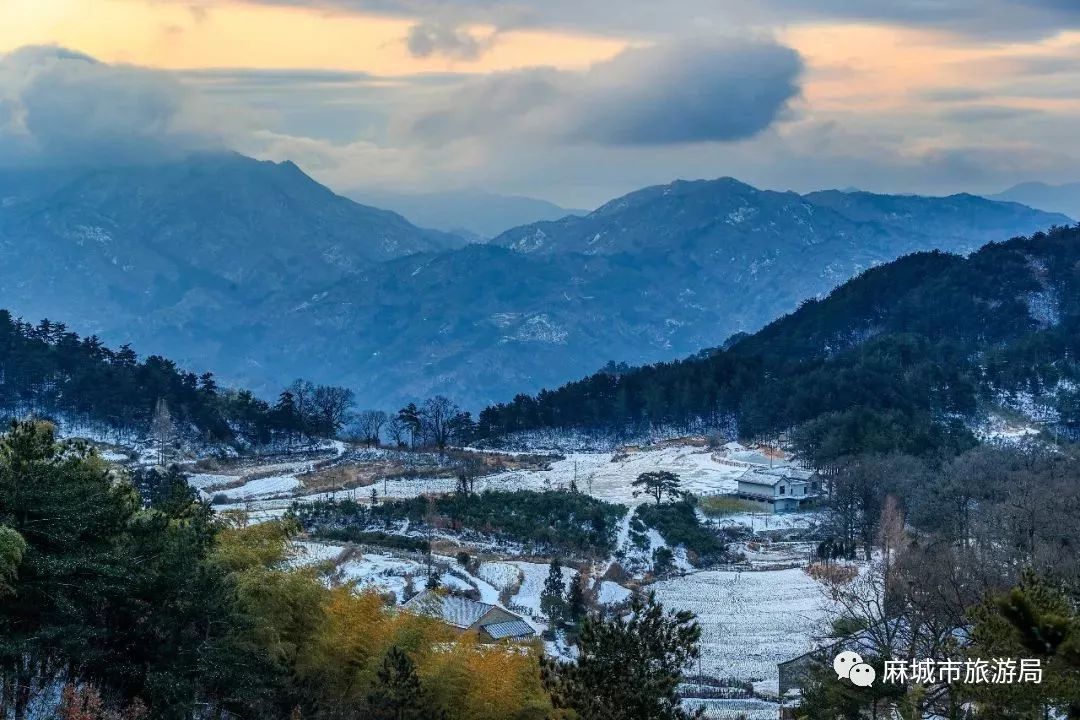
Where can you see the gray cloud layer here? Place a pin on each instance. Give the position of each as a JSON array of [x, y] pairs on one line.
[[669, 94], [435, 37], [59, 106], [1000, 18]]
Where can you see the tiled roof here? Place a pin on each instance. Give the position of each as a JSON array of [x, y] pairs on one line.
[[508, 629], [772, 476], [457, 611]]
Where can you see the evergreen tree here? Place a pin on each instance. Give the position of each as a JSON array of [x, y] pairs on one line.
[[409, 416], [575, 598], [657, 484], [551, 597], [398, 694], [628, 668], [12, 547], [286, 416]]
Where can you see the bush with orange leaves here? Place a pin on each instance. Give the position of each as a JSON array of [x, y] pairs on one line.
[[332, 642]]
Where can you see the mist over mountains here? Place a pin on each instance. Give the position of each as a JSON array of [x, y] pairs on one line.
[[259, 273], [471, 213], [1063, 199]]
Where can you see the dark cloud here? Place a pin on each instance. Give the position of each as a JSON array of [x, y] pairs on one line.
[[669, 94], [446, 39], [63, 106]]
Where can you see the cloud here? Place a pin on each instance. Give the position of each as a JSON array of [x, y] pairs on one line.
[[65, 107], [990, 113], [435, 37], [689, 92], [975, 18]]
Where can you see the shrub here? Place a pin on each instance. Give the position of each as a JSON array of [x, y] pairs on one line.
[[720, 505], [679, 525], [557, 521]]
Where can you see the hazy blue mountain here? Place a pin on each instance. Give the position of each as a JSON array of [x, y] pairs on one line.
[[257, 272], [725, 216], [1053, 198], [470, 213]]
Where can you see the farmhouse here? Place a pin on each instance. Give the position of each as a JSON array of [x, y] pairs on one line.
[[780, 489], [490, 621]]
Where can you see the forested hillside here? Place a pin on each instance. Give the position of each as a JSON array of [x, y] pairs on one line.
[[47, 370], [893, 359], [256, 270]]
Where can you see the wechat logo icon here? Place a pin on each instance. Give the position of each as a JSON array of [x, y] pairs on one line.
[[850, 666]]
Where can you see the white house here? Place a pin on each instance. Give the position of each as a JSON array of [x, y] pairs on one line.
[[780, 489]]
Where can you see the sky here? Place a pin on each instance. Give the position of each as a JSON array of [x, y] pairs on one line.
[[572, 101]]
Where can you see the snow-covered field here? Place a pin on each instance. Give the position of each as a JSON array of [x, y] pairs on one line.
[[612, 593], [735, 709], [528, 596], [500, 575], [750, 620]]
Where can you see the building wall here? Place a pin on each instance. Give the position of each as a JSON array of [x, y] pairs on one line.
[[755, 488], [492, 616]]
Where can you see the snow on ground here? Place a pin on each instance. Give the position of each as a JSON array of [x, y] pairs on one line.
[[751, 620], [610, 477], [200, 481], [762, 521], [735, 709], [764, 554], [528, 596], [274, 485], [1001, 430], [612, 593], [453, 582], [311, 553], [384, 572], [499, 575]]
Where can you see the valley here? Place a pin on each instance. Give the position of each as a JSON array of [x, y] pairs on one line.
[[256, 271], [757, 608]]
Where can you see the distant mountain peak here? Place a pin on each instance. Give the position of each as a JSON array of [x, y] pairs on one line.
[[1063, 198], [258, 271]]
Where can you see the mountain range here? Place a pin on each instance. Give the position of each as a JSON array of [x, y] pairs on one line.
[[473, 214], [1063, 199], [256, 271], [910, 356]]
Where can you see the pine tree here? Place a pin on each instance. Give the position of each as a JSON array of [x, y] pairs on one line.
[[551, 597], [286, 416], [398, 694], [657, 484], [12, 548], [628, 668], [575, 598]]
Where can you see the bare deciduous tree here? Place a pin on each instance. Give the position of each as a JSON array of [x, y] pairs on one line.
[[162, 428], [369, 425]]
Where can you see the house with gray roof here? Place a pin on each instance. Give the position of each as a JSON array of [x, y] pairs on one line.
[[493, 623], [784, 488]]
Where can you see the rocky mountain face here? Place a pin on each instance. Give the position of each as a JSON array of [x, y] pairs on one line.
[[257, 272]]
